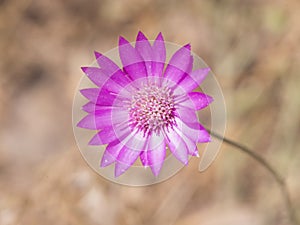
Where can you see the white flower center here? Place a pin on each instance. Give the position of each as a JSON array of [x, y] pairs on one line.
[[152, 109]]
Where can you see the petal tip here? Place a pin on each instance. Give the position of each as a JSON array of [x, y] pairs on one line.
[[97, 54], [105, 162], [122, 41], [141, 36], [81, 124], [84, 91], [84, 68], [188, 46], [94, 142], [159, 37], [209, 99], [119, 171], [207, 69], [156, 170]]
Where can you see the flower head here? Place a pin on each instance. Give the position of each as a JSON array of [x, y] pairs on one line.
[[146, 107]]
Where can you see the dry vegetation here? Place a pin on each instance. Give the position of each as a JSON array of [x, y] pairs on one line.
[[252, 46]]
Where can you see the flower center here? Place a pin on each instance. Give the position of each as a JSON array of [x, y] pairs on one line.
[[152, 109]]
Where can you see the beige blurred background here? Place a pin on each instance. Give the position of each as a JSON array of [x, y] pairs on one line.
[[253, 47]]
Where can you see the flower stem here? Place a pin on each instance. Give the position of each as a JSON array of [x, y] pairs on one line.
[[279, 179]]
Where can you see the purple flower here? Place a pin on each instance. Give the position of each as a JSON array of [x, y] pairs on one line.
[[147, 106]]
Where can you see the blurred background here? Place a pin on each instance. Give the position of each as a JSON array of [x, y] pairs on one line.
[[253, 47]]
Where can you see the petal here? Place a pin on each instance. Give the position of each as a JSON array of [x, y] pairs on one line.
[[156, 158], [183, 100], [137, 142], [179, 64], [107, 99], [101, 79], [144, 158], [105, 63], [194, 79], [154, 141], [204, 136], [200, 100], [130, 152], [177, 146], [121, 78], [91, 107], [91, 94], [159, 56], [96, 122], [111, 153], [125, 160], [132, 61], [156, 153], [159, 49], [194, 131], [191, 145], [144, 48], [102, 97], [104, 118], [122, 131], [107, 159], [187, 115], [142, 45], [105, 136]]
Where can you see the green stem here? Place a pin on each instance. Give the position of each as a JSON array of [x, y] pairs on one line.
[[279, 180]]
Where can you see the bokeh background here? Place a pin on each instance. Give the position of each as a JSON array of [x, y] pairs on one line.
[[253, 47]]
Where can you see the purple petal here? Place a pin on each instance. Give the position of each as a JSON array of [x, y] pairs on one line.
[[159, 56], [101, 79], [159, 49], [144, 158], [142, 45], [194, 131], [179, 64], [200, 100], [107, 98], [125, 159], [177, 146], [112, 70], [105, 136], [107, 159], [103, 118], [111, 80], [144, 48], [101, 97], [191, 145], [187, 115], [156, 154], [93, 122], [137, 142], [105, 63], [91, 94], [190, 65], [121, 78], [194, 79], [153, 142], [132, 61], [204, 136], [111, 153], [91, 107]]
